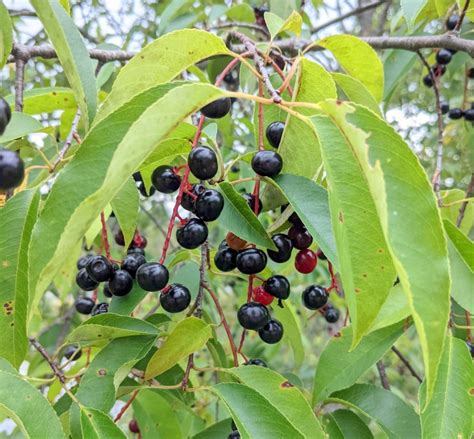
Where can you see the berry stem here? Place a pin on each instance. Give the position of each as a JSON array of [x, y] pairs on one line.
[[468, 326], [104, 235], [126, 406]]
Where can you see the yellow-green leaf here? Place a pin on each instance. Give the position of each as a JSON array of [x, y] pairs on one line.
[[6, 38]]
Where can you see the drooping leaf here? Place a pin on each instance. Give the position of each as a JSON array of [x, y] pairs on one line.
[[72, 54], [394, 310], [179, 345], [343, 424], [16, 219], [425, 280], [396, 64], [356, 91], [339, 367], [97, 425], [125, 206], [277, 25], [20, 125], [6, 34]]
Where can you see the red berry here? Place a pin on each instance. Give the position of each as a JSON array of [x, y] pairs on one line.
[[305, 261], [261, 296], [133, 426]]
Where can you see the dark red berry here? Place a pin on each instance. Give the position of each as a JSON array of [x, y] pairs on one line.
[[100, 308], [192, 234], [152, 276], [428, 80], [5, 115], [452, 21], [321, 255], [202, 162], [83, 261], [305, 261], [443, 56], [469, 115], [12, 170], [217, 109], [119, 238], [272, 332], [315, 297], [293, 218], [267, 163], [251, 261], [84, 305], [72, 352], [99, 268], [106, 290], [278, 286], [438, 69], [133, 426], [84, 281], [455, 113], [165, 179], [300, 237], [132, 262], [251, 199], [261, 296], [253, 316], [331, 314], [255, 362], [176, 299], [284, 247], [209, 205], [121, 283], [188, 201], [225, 259], [444, 106], [274, 132]]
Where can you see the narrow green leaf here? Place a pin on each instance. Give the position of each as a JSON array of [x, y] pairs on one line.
[[125, 206], [126, 304], [238, 218], [343, 424], [20, 125], [6, 34], [72, 54], [425, 280], [160, 62], [26, 406], [395, 309], [356, 92], [179, 345], [396, 64], [97, 425], [277, 25], [17, 218], [394, 416], [339, 367]]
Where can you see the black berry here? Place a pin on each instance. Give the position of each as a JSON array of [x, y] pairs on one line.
[[209, 205], [142, 188], [452, 22], [315, 297], [83, 261], [12, 170], [455, 113], [133, 249], [121, 283], [106, 290], [84, 281], [284, 247], [300, 237], [5, 115], [278, 286], [470, 73], [251, 199], [192, 234], [72, 352], [152, 276], [274, 132], [225, 259], [331, 315], [177, 298], [470, 346], [188, 202], [217, 109], [253, 316], [251, 261], [443, 56], [165, 179], [132, 262], [444, 107], [84, 305], [255, 362], [272, 332], [100, 308], [267, 163], [428, 80], [99, 268], [202, 162], [234, 435], [469, 115]]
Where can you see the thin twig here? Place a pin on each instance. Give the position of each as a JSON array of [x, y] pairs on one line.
[[407, 364], [19, 83], [244, 25], [383, 375], [68, 142], [126, 406], [52, 364], [461, 16], [462, 209]]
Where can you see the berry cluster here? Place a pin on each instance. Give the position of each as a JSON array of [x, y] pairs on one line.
[[12, 168]]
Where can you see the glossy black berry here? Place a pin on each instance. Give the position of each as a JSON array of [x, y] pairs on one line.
[[132, 249], [284, 247], [100, 308], [451, 22], [72, 353], [84, 281], [192, 234], [444, 107], [443, 56], [272, 332], [274, 132], [455, 113], [176, 299], [209, 205], [5, 115], [121, 283], [226, 259], [428, 80], [315, 297], [202, 162], [165, 179], [131, 263], [106, 290], [278, 286], [253, 316], [142, 188], [217, 109], [267, 163], [469, 115], [331, 315], [83, 261], [152, 276], [251, 261], [300, 237], [234, 435], [470, 346], [251, 200], [188, 201], [99, 268], [84, 305], [255, 362], [12, 170], [470, 73]]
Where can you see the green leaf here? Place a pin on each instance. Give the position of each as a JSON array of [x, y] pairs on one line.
[[103, 328], [423, 268], [26, 406], [358, 59], [105, 158], [339, 367], [6, 34], [125, 206], [218, 430], [365, 264], [310, 202], [277, 25], [126, 304], [72, 54], [394, 416], [254, 415], [395, 309], [97, 425], [411, 9], [160, 62], [46, 100], [179, 345], [237, 217], [346, 424], [356, 91], [20, 125], [283, 396], [449, 413], [16, 218], [450, 209], [397, 63]]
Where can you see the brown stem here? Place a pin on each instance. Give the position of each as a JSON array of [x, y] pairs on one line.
[[462, 209], [126, 406], [461, 16], [383, 375], [68, 142], [243, 25], [105, 236], [407, 364], [52, 364], [185, 381], [19, 83]]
